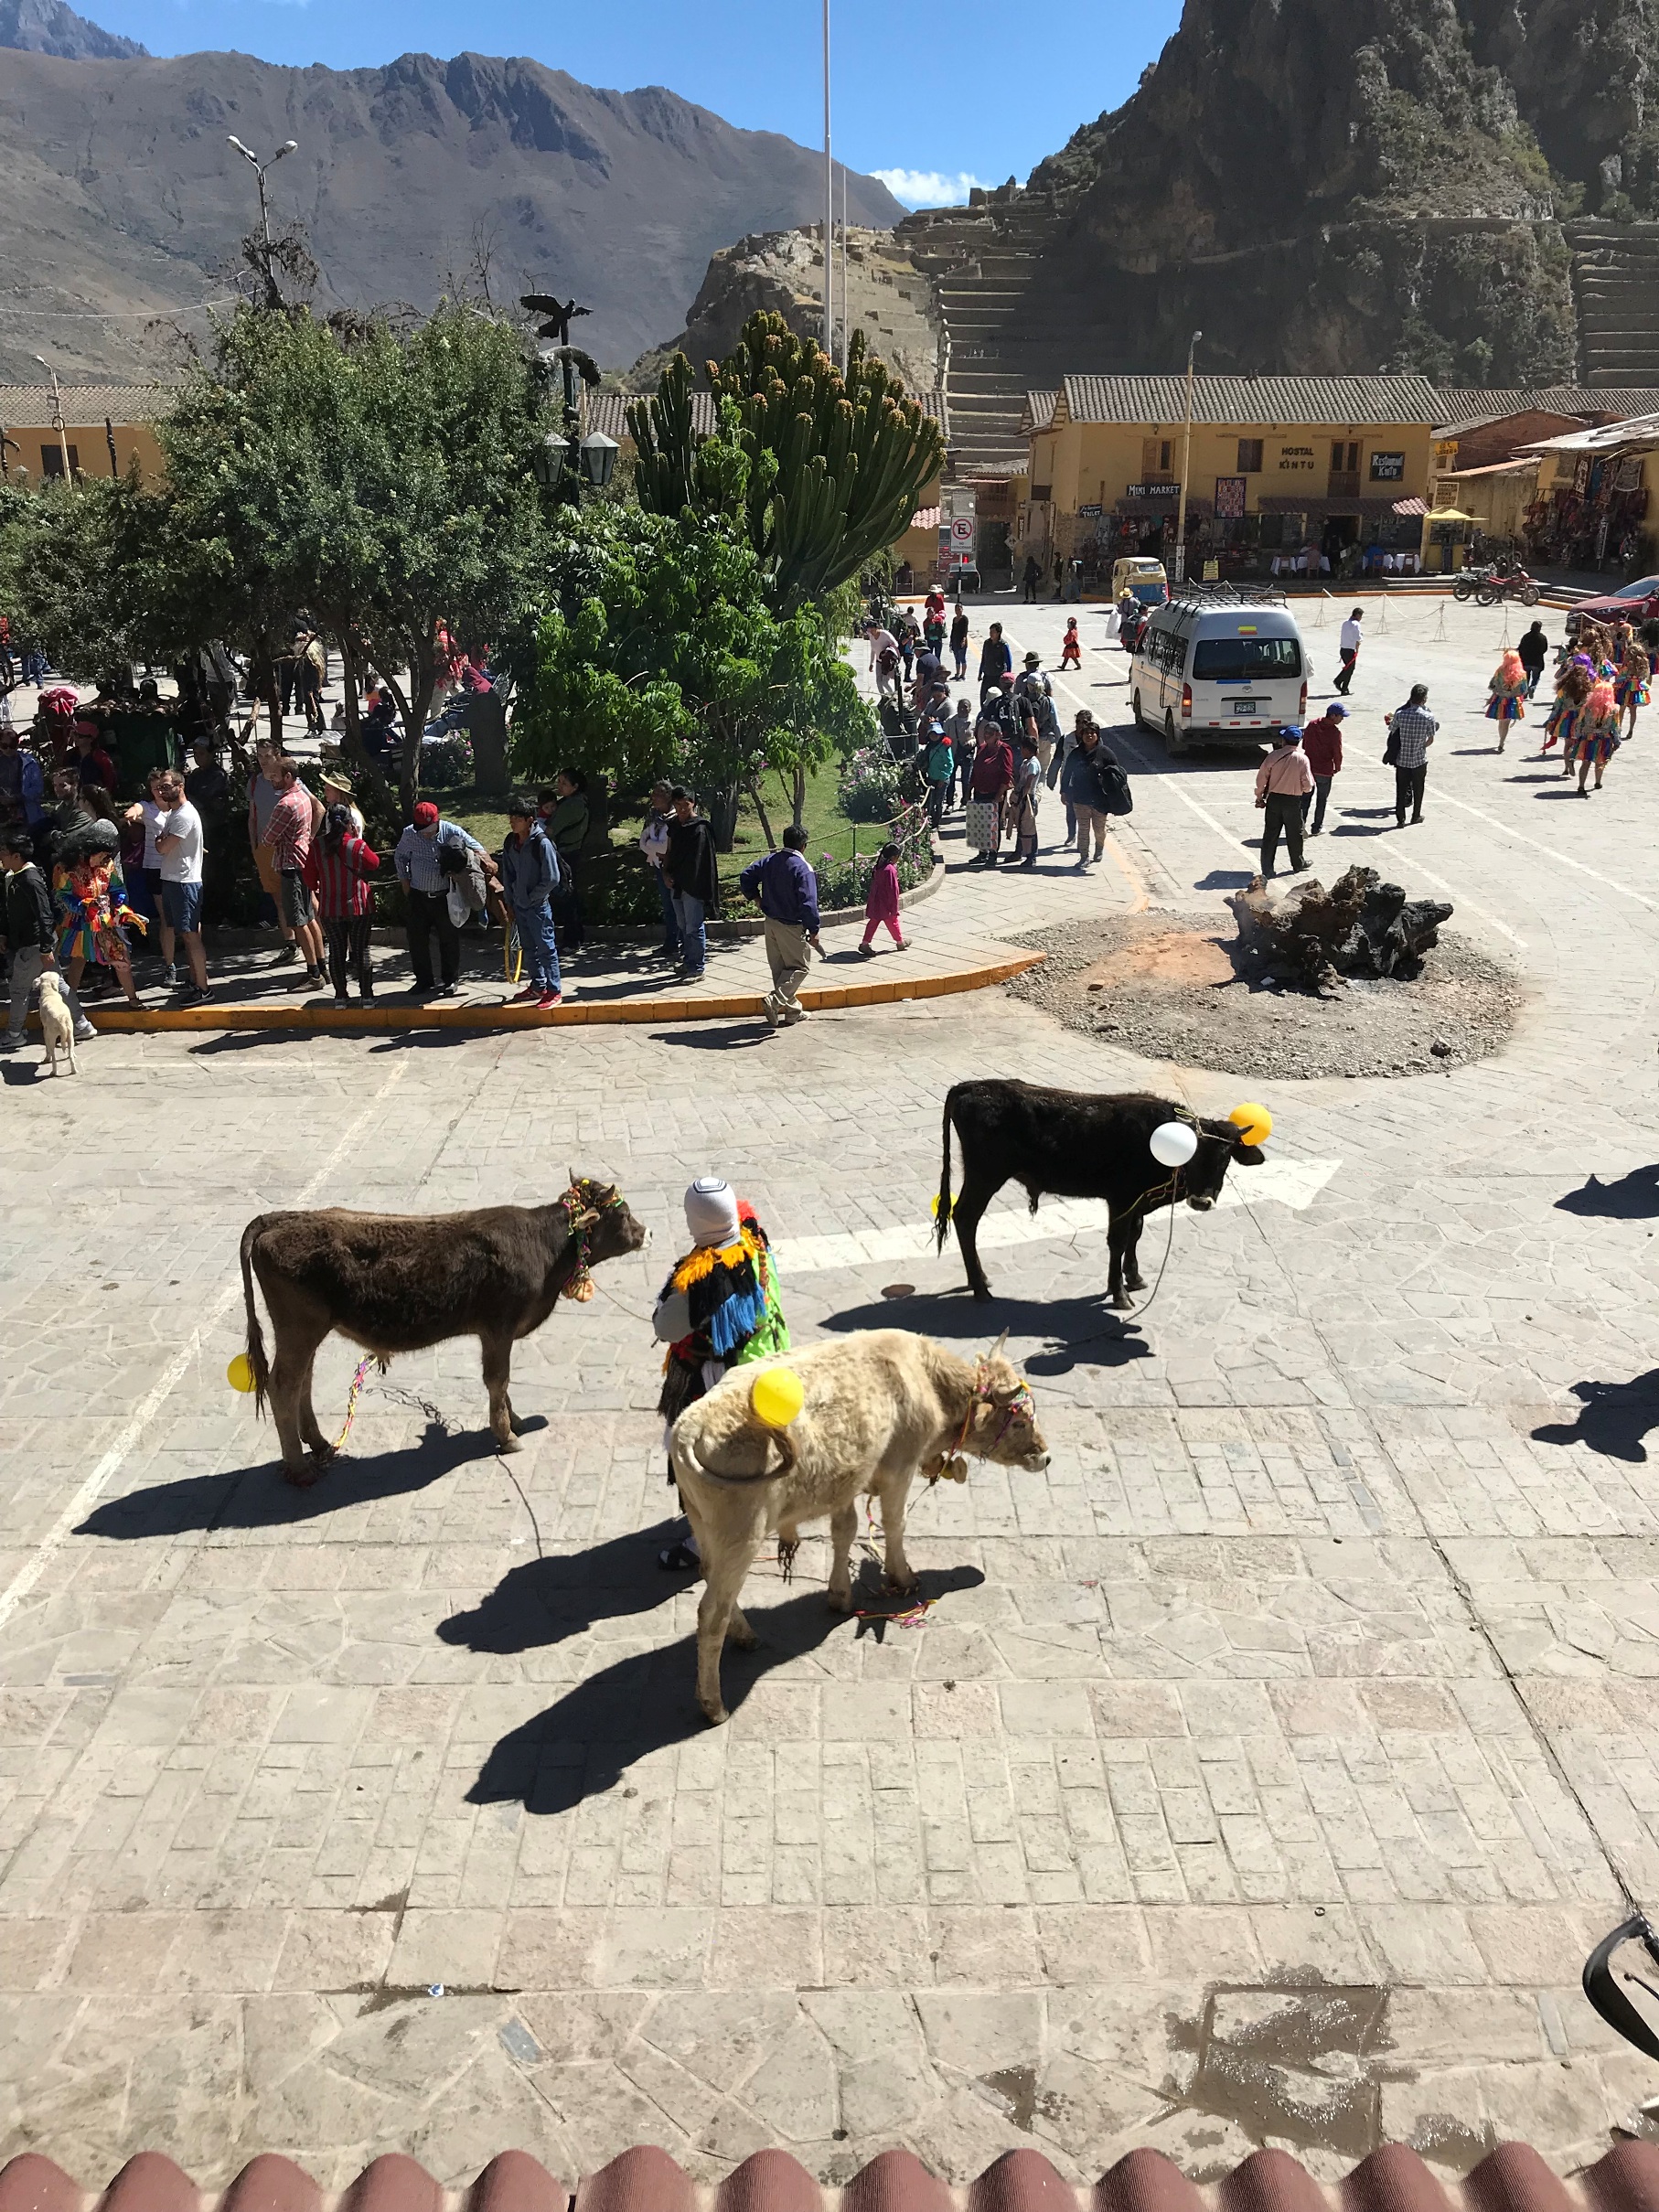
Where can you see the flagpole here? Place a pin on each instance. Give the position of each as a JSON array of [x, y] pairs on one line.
[[829, 206]]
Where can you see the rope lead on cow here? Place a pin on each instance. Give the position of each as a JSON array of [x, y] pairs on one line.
[[367, 1360]]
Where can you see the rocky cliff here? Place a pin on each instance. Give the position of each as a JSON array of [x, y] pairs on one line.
[[119, 198], [47, 27]]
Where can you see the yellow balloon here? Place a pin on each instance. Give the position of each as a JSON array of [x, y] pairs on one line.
[[1255, 1123], [240, 1374], [777, 1395]]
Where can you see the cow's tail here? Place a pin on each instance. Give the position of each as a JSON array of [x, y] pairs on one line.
[[941, 1205], [684, 1454], [257, 1361]]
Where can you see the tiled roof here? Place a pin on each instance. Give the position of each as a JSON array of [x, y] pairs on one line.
[[30, 406], [1466, 407], [1253, 400], [1512, 2178], [608, 412], [925, 518], [1040, 410]]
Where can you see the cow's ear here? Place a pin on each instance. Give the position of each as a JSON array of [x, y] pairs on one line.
[[585, 1219], [1248, 1155]]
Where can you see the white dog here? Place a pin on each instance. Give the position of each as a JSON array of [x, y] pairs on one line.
[[56, 1023]]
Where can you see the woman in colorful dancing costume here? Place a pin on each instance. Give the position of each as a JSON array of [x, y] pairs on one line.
[[1506, 704], [1595, 735], [1630, 686], [1572, 689], [718, 1309], [91, 895]]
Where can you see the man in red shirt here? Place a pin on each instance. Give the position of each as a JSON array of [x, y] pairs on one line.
[[1321, 741], [288, 834]]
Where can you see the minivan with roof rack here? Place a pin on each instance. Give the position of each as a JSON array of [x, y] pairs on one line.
[[1219, 666]]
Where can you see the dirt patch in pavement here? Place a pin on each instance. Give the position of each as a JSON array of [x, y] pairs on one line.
[[1168, 987]]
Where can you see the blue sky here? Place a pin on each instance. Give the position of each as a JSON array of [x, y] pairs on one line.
[[975, 88]]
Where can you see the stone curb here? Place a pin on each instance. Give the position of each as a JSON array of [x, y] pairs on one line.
[[376, 1019]]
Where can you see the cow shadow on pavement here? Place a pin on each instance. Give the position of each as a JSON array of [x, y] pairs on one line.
[[259, 1497], [586, 1741], [547, 1600], [1613, 1418], [1633, 1197], [1069, 1332]]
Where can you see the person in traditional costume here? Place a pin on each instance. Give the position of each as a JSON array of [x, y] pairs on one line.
[[1630, 686], [1572, 689], [720, 1308], [1595, 737], [1506, 703], [90, 896]]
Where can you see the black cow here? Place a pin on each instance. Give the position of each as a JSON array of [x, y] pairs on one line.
[[1074, 1145], [395, 1282]]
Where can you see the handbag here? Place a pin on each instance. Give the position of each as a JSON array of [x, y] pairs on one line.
[[1115, 796], [1391, 751]]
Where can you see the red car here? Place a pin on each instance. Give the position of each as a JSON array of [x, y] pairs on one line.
[[1637, 601]]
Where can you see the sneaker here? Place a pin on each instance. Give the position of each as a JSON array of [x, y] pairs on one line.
[[316, 981], [901, 944], [84, 1030], [526, 997], [444, 990], [11, 1045], [169, 975], [341, 1000], [866, 952], [191, 994], [796, 1015], [550, 999], [288, 955]]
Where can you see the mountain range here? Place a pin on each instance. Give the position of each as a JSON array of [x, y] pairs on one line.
[[120, 200]]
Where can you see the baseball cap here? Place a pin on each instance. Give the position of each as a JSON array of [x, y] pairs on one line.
[[1291, 732], [1337, 711], [425, 814]]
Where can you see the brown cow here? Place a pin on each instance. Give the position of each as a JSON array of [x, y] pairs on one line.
[[394, 1282]]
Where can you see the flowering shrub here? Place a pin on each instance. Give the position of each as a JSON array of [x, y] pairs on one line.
[[446, 762], [869, 786]]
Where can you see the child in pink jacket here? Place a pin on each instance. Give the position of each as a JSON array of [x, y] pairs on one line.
[[883, 905]]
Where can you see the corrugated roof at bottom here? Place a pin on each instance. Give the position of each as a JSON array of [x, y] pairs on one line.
[[1257, 401], [1512, 2178]]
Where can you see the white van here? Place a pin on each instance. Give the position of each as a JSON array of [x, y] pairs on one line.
[[1215, 668]]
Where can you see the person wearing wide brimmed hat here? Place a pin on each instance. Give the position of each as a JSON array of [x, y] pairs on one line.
[[336, 792]]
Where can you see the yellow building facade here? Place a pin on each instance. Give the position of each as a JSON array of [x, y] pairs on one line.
[[1278, 467], [105, 429]]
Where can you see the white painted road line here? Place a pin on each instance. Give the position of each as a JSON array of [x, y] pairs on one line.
[[111, 1460], [1286, 1182], [1550, 851]]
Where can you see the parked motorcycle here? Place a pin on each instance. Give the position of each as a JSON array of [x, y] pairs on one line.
[[1622, 1981], [1518, 584], [1471, 579]]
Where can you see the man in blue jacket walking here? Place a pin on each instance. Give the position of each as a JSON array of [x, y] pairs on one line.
[[786, 888], [530, 876]]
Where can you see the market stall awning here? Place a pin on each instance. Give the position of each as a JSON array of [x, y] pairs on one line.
[[1450, 514]]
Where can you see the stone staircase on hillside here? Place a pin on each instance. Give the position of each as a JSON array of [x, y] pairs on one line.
[[1616, 287], [983, 262]]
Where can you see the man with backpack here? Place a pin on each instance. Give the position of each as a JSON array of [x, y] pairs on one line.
[[419, 859], [1035, 696]]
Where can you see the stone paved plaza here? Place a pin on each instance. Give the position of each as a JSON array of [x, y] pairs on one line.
[[1262, 1773]]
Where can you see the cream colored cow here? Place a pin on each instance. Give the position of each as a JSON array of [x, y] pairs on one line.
[[882, 1407]]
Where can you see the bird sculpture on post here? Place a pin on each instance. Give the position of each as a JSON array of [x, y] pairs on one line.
[[560, 314]]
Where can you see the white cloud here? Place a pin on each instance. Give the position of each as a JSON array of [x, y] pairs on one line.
[[929, 188]]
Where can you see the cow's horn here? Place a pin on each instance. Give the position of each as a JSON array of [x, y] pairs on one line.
[[575, 1179], [996, 1351]]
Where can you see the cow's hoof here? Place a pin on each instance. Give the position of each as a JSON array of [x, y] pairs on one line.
[[716, 1715], [741, 1640], [304, 1475], [1121, 1305], [838, 1601], [1135, 1282], [324, 1453], [901, 1588], [509, 1443]]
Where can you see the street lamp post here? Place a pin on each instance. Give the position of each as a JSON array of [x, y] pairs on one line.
[[1186, 463], [590, 460], [63, 436], [289, 145]]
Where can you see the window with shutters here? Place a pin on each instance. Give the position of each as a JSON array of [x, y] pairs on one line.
[[1149, 459], [51, 460], [1249, 457]]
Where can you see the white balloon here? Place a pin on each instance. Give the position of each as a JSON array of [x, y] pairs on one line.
[[1173, 1144]]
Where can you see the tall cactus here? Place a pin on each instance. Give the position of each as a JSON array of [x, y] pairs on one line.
[[836, 465]]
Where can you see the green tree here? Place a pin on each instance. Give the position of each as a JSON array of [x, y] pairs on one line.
[[658, 653], [836, 465], [381, 480]]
